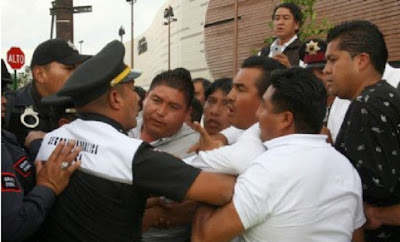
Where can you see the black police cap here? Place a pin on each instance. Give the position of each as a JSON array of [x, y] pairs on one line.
[[98, 74], [58, 50], [60, 103]]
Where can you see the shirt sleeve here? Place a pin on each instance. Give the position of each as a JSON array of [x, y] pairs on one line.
[[162, 174], [251, 198], [21, 215], [34, 148], [231, 159], [232, 134], [369, 139]]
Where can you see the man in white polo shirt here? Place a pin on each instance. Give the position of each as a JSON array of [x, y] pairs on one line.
[[245, 96], [301, 188]]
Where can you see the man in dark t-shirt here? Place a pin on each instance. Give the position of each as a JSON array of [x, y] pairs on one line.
[[370, 134]]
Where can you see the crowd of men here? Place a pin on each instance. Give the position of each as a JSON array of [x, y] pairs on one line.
[[302, 144]]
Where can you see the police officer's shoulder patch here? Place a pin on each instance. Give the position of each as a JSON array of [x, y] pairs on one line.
[[9, 182], [23, 166]]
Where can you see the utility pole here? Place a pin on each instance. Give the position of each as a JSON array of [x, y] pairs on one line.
[[62, 11], [169, 18], [132, 3]]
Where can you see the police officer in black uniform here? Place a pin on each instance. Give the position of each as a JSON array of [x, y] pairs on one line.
[[25, 200], [52, 63], [106, 197]]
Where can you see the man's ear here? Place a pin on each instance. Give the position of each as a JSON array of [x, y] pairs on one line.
[[115, 99], [287, 120], [39, 74], [362, 60], [63, 121]]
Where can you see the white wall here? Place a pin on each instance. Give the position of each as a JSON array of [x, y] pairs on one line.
[[187, 42]]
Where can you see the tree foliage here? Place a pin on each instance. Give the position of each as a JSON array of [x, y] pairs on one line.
[[24, 77]]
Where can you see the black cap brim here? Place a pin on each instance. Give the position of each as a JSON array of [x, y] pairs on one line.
[[56, 100], [74, 59], [315, 66]]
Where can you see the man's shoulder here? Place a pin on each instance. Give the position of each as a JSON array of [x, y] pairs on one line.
[[22, 97], [379, 97]]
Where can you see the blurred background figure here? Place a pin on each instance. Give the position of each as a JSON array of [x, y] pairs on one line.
[[312, 53], [197, 112], [142, 94], [287, 19], [200, 87], [216, 109]]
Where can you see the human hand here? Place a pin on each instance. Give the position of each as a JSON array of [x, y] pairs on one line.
[[206, 141], [327, 132], [153, 201], [3, 106], [370, 213], [154, 217], [283, 59], [51, 174], [33, 135]]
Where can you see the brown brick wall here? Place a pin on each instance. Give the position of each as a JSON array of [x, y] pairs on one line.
[[255, 16]]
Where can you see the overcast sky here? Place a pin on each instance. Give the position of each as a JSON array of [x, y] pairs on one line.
[[26, 23]]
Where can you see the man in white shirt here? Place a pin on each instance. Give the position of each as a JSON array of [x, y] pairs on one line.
[[248, 87], [301, 188]]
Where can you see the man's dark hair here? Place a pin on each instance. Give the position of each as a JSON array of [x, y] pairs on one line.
[[206, 83], [142, 94], [300, 92], [178, 80], [223, 84], [183, 71], [361, 36], [294, 9], [266, 65], [197, 110]]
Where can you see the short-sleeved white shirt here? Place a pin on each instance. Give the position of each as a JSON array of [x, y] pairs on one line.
[[336, 116], [232, 134], [301, 189], [231, 159]]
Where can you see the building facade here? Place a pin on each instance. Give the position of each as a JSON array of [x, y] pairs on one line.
[[186, 42], [203, 37]]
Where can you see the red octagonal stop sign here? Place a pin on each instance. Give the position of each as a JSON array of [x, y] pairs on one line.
[[15, 57]]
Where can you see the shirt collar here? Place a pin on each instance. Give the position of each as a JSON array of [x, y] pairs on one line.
[[101, 118], [135, 132], [275, 43], [170, 138], [314, 140]]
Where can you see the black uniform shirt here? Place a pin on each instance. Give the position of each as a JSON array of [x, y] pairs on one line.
[[17, 102], [94, 208], [21, 215]]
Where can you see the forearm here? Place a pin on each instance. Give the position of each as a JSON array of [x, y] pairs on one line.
[[387, 215], [20, 223], [212, 188], [358, 235], [216, 223]]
